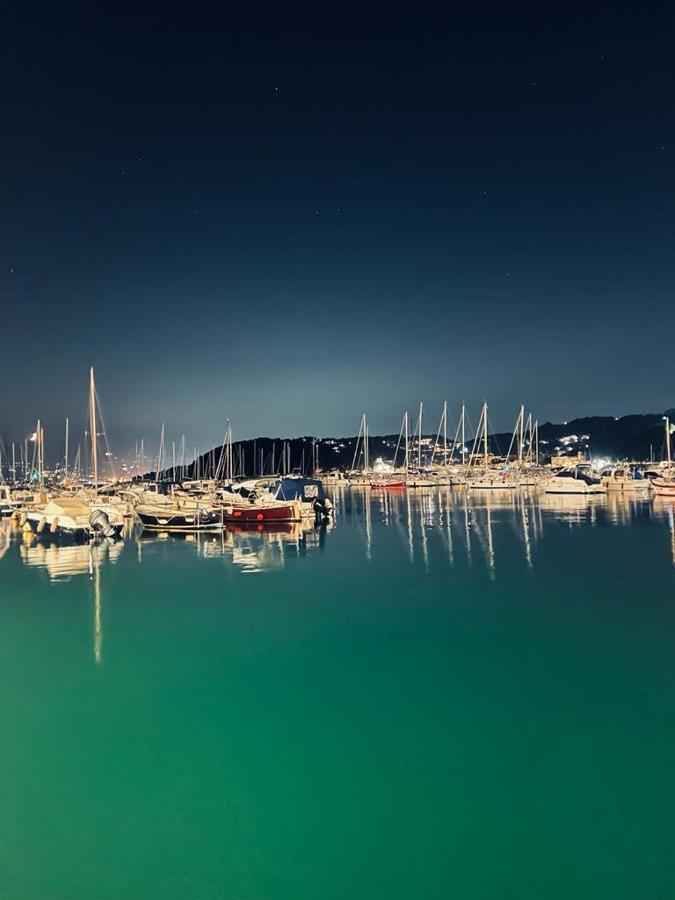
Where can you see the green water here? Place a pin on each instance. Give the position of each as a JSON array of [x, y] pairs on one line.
[[434, 698]]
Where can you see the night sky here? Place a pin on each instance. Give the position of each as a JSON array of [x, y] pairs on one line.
[[290, 215]]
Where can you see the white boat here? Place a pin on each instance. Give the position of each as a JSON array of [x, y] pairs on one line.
[[487, 478], [494, 481], [579, 479], [7, 503], [664, 485], [624, 480], [336, 477], [71, 517]]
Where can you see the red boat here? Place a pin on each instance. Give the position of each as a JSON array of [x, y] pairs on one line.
[[388, 485], [257, 514]]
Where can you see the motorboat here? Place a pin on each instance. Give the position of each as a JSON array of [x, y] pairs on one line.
[[663, 486], [177, 511], [72, 518], [389, 484], [288, 499], [625, 480], [579, 479]]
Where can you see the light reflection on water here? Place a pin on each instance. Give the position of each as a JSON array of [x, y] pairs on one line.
[[468, 524], [455, 698]]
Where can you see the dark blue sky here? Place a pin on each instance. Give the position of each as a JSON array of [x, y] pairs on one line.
[[296, 214]]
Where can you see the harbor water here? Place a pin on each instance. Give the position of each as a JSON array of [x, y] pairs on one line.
[[437, 695]]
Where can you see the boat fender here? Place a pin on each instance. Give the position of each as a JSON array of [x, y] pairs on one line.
[[99, 521], [23, 519], [41, 525], [27, 527], [54, 526]]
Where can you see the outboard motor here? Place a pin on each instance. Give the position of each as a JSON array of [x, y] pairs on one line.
[[100, 522], [322, 508]]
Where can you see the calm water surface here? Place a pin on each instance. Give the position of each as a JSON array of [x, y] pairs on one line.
[[436, 697]]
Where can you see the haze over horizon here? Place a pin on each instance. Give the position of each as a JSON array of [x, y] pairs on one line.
[[292, 216]]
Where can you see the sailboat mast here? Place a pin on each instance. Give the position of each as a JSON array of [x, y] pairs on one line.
[[419, 439], [160, 457], [92, 426], [668, 440], [365, 443], [445, 432], [463, 433], [65, 467], [485, 435], [407, 444], [521, 418]]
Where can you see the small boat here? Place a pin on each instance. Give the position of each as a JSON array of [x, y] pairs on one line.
[[258, 514], [178, 517], [663, 487], [289, 499], [335, 476], [71, 518], [579, 479], [165, 507], [389, 485]]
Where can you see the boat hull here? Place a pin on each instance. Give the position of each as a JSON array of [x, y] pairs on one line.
[[257, 515], [168, 520], [664, 488], [575, 489]]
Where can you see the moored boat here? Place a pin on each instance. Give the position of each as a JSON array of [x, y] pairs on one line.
[[71, 518], [178, 517], [579, 479], [288, 499], [625, 480]]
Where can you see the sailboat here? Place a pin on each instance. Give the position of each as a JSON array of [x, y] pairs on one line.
[[388, 477], [82, 517], [664, 486], [489, 479]]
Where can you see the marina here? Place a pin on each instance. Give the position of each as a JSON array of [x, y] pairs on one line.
[[337, 482], [208, 493], [263, 687]]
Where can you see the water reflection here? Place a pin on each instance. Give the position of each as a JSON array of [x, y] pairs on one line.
[[65, 561], [475, 525], [470, 528], [250, 547]]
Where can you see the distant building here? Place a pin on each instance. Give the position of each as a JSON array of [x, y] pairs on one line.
[[571, 459]]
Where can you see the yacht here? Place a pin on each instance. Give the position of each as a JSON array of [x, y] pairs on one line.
[[624, 479], [579, 479]]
